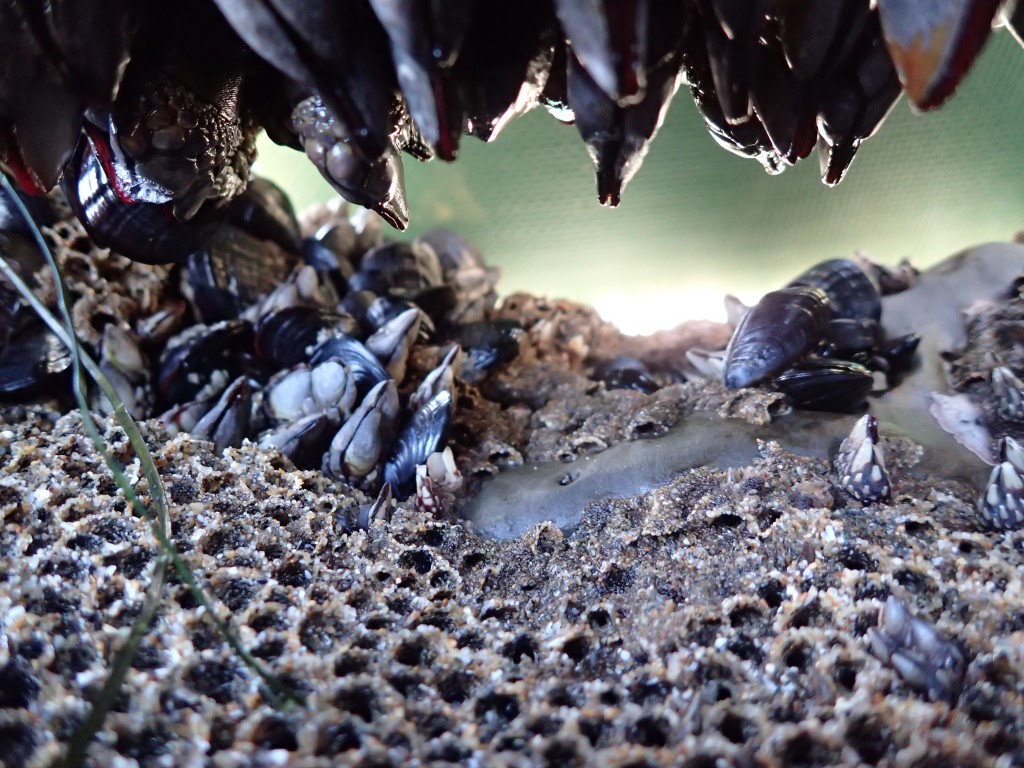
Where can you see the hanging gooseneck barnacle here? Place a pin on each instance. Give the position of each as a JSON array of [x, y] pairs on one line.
[[171, 95], [377, 184]]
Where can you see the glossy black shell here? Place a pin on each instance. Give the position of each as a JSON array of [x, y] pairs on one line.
[[821, 384], [852, 293], [141, 229], [781, 328]]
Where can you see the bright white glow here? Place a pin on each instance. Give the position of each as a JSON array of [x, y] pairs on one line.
[[639, 314]]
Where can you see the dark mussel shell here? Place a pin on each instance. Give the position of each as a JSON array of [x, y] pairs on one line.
[[370, 282], [425, 433], [626, 373], [265, 212], [141, 231], [437, 302], [25, 258], [10, 309], [899, 354], [329, 262], [821, 384], [364, 365], [186, 368], [852, 293], [232, 270], [486, 345], [358, 304], [31, 362], [848, 338], [284, 337], [337, 244], [402, 269], [777, 331], [305, 441], [454, 252]]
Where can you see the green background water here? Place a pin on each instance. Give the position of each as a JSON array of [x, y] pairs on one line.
[[697, 222]]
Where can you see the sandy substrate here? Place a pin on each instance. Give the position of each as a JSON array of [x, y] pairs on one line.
[[722, 618]]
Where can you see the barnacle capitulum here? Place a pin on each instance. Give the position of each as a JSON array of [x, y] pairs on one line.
[[378, 185], [860, 463], [440, 379], [1008, 392], [1001, 505], [304, 390], [393, 340], [437, 480], [921, 656], [228, 421], [380, 511], [357, 446], [705, 364], [124, 364]]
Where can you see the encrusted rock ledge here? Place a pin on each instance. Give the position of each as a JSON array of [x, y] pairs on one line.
[[723, 618]]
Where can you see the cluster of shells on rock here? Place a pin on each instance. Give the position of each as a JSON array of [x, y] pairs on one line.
[[339, 349], [347, 352], [820, 341], [150, 122]]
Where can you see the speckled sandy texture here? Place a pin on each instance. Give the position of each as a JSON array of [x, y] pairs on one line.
[[718, 620], [722, 616]]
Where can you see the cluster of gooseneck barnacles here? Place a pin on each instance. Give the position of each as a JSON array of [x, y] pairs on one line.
[[346, 352], [149, 110], [303, 344]]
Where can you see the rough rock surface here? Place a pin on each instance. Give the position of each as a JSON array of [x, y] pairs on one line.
[[720, 619]]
